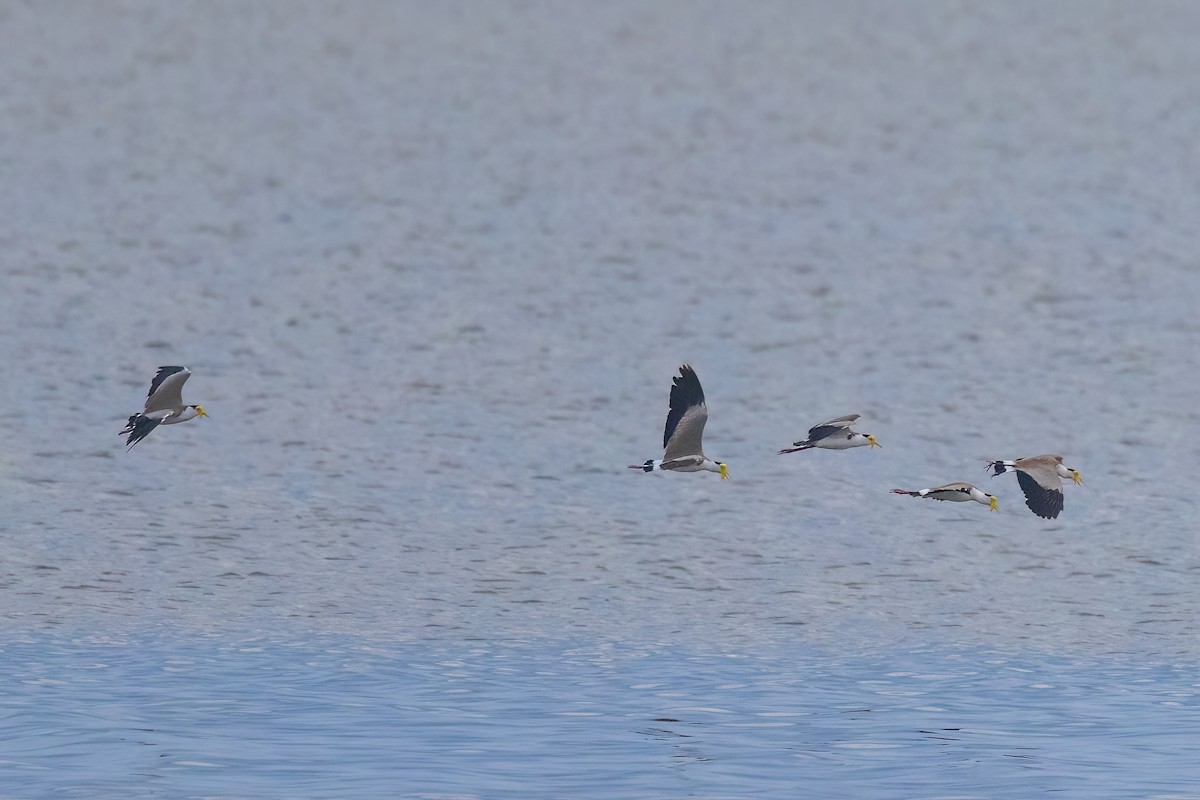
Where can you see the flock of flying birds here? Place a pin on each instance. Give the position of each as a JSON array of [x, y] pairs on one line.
[[1040, 477]]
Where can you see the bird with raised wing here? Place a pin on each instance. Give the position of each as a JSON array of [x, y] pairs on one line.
[[682, 451], [1041, 479], [953, 492], [164, 405], [834, 435]]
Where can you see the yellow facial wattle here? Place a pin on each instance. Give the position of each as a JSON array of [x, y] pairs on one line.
[[992, 504], [724, 471]]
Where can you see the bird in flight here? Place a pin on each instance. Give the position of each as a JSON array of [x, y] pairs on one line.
[[955, 493], [834, 435], [1040, 478], [682, 451], [164, 405]]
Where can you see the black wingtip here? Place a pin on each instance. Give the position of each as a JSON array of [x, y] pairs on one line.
[[686, 387], [685, 393], [1046, 503], [138, 428]]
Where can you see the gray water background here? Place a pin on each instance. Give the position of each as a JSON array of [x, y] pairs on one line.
[[434, 265]]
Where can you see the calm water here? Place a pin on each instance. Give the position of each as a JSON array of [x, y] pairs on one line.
[[433, 269], [325, 716]]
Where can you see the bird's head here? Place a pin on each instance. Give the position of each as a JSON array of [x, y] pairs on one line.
[[992, 504], [871, 440], [723, 469], [1075, 476], [200, 411]]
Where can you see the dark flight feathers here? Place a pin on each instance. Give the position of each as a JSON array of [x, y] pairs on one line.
[[820, 432], [1044, 502], [162, 374], [139, 428], [685, 393]]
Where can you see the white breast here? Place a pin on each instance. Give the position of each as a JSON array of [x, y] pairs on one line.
[[182, 416]]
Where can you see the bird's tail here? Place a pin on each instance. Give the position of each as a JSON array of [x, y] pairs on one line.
[[907, 492], [647, 467], [798, 447], [999, 467]]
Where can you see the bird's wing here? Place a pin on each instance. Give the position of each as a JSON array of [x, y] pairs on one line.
[[826, 429], [684, 463], [1043, 490], [1043, 469], [138, 428], [685, 421], [166, 390], [950, 491]]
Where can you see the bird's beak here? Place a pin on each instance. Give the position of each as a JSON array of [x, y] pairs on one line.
[[200, 412], [874, 443], [992, 504], [1075, 477], [724, 471]]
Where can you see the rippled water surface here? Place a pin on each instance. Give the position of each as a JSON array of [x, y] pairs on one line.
[[433, 268], [336, 717]]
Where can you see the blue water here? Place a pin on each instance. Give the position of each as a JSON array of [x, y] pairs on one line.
[[433, 267], [328, 717]]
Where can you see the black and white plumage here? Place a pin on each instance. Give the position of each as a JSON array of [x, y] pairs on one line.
[[953, 492], [834, 435], [164, 405], [1040, 478], [682, 450]]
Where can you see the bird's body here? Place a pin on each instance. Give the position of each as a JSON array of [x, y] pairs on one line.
[[833, 435], [953, 492], [1041, 479], [164, 405], [682, 450]]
